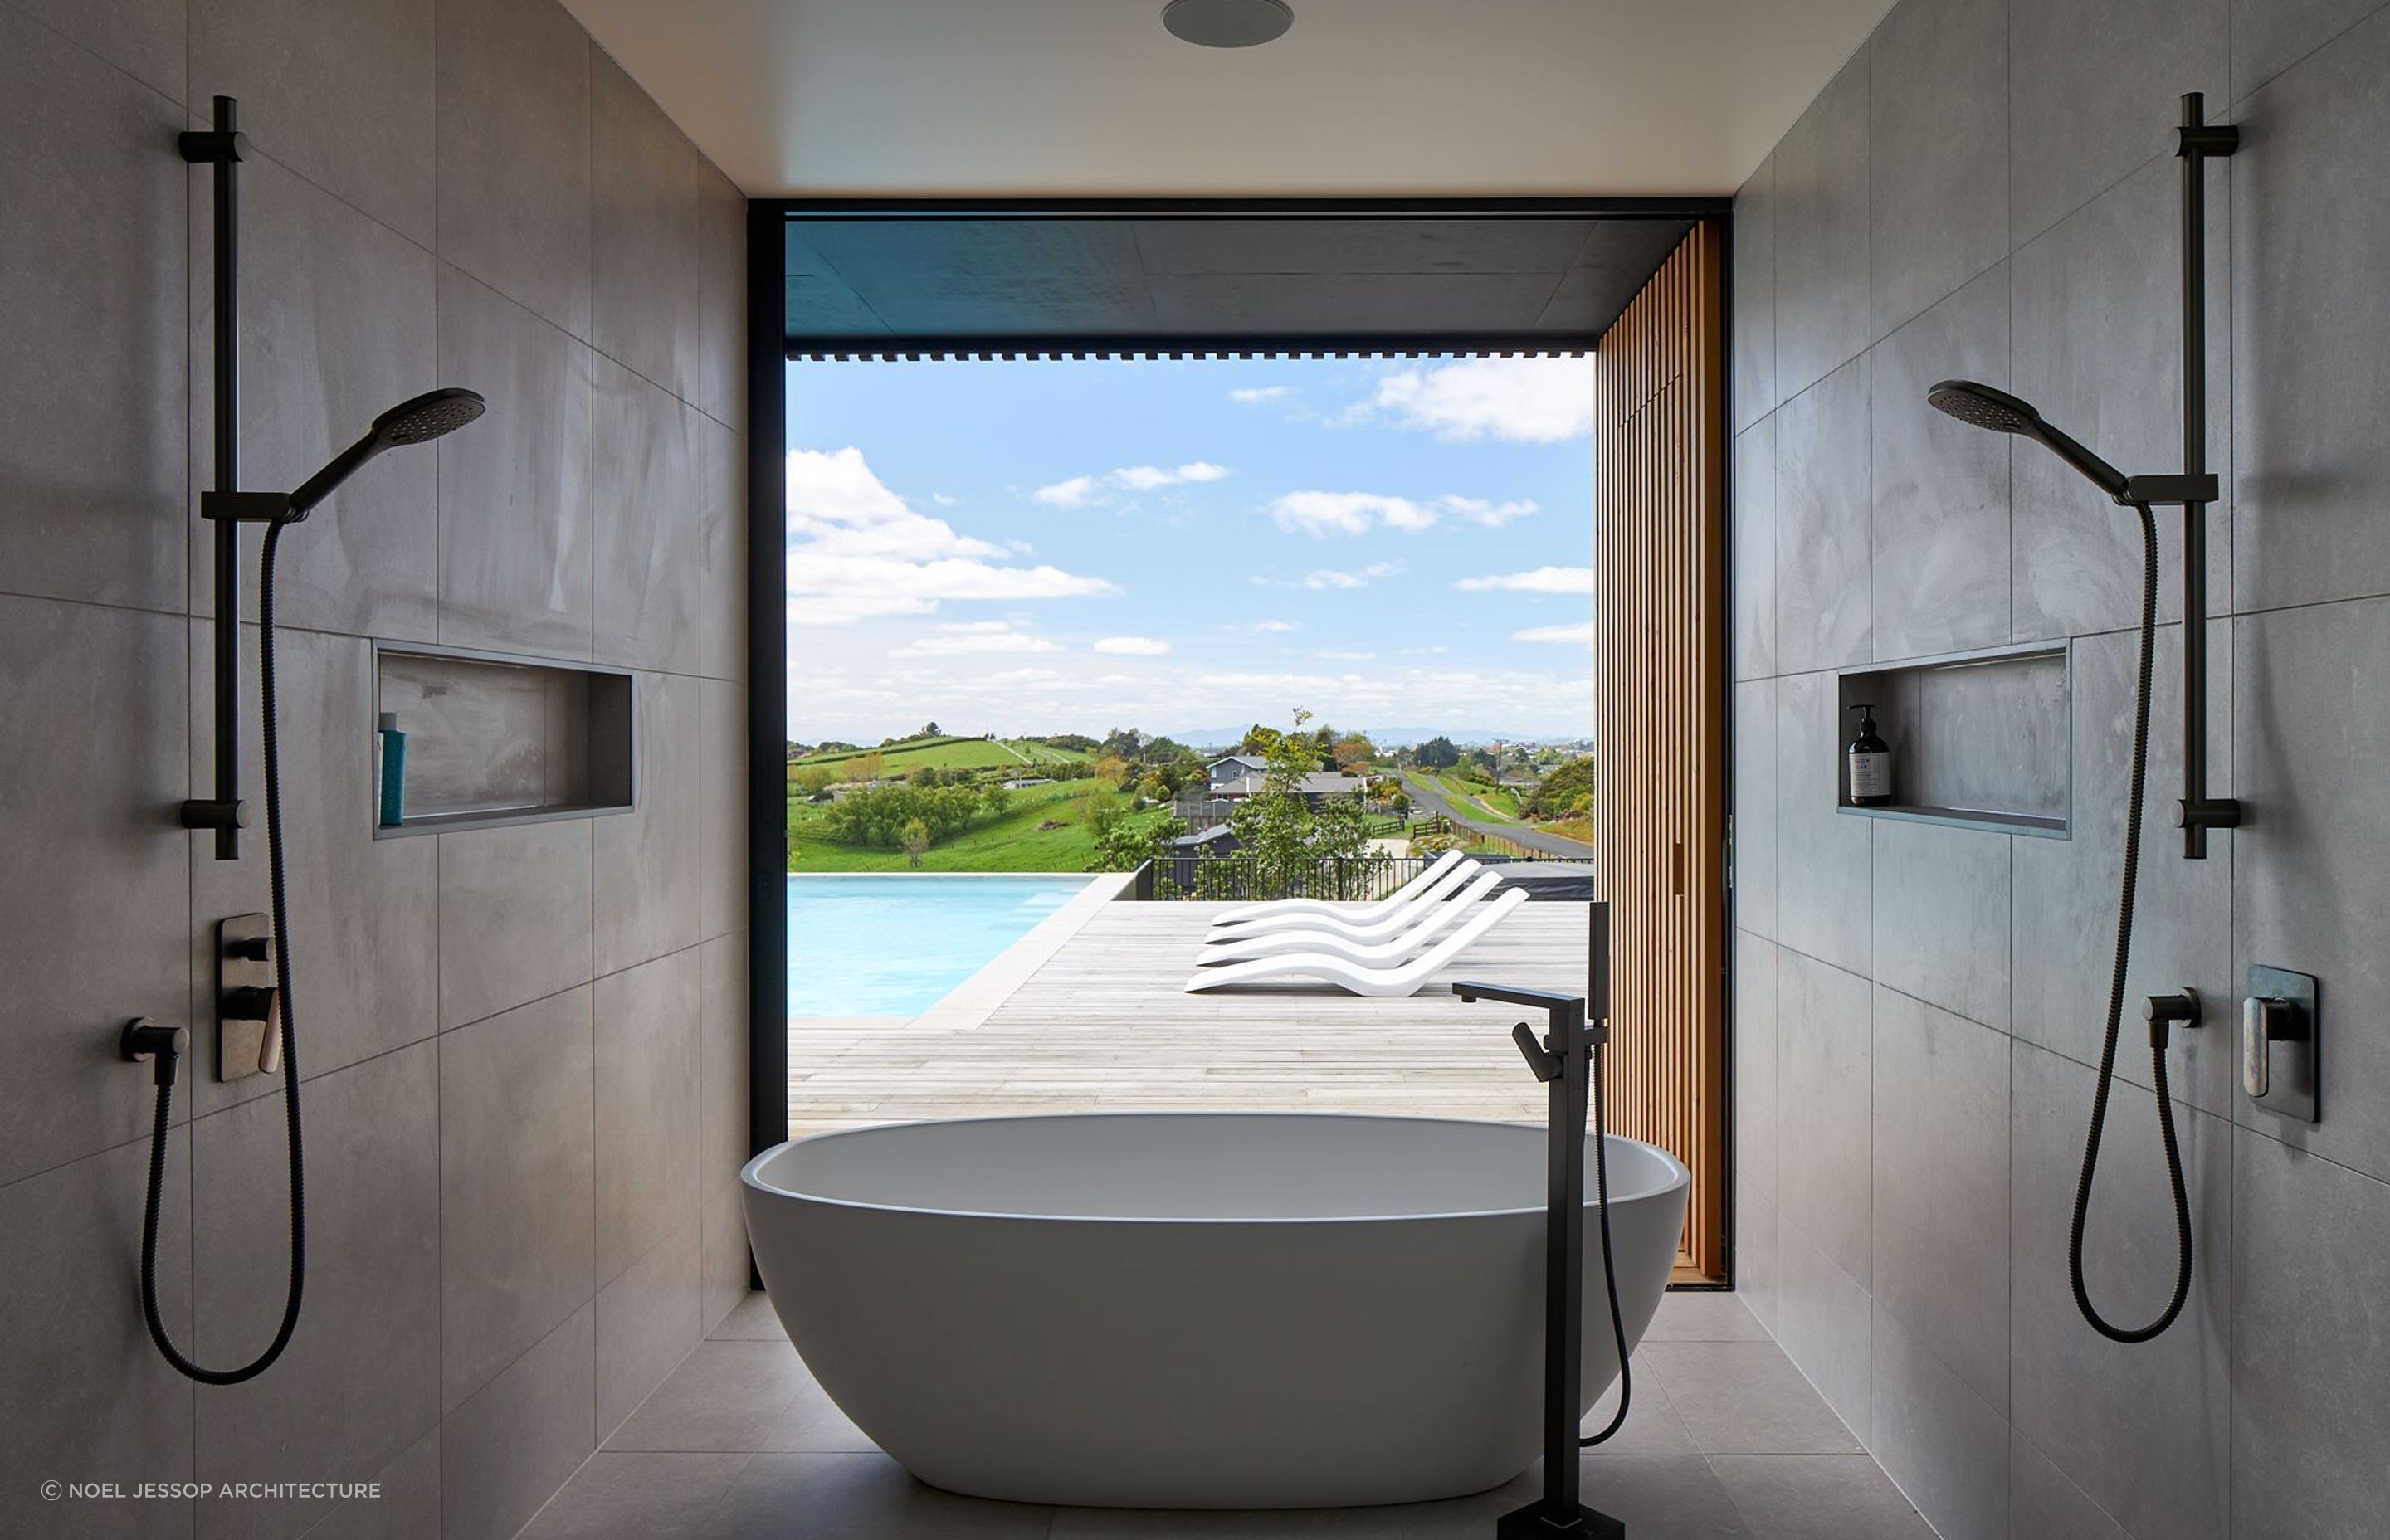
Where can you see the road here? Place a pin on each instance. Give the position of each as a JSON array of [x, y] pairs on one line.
[[1431, 797]]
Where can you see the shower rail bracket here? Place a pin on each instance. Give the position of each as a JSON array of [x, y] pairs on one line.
[[2160, 491], [211, 147], [246, 508]]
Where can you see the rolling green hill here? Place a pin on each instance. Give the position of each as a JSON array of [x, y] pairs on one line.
[[942, 754], [1013, 842]]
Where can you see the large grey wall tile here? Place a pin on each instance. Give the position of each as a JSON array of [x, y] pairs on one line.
[[1756, 1280], [2045, 1506], [1937, 152], [1788, 1498], [636, 1495], [1755, 806], [514, 147], [2310, 235], [2311, 861], [722, 1059], [649, 494], [1754, 551], [1755, 297], [92, 421], [86, 1391], [2093, 92], [364, 913], [647, 1321], [722, 587], [2310, 1380], [1822, 1320], [92, 771], [514, 917], [1821, 234], [1942, 918], [2065, 915], [1823, 615], [515, 557], [1940, 488], [646, 861], [2269, 36], [2095, 338], [648, 246], [725, 1269], [647, 1108], [506, 1451], [1823, 1083], [1946, 1447], [720, 389], [518, 1188], [360, 1381], [1824, 881], [2142, 1428], [723, 809], [146, 39], [405, 1507], [336, 328], [340, 94], [1941, 1187], [1756, 968]]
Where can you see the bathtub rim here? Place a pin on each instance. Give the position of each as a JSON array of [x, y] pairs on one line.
[[750, 1179]]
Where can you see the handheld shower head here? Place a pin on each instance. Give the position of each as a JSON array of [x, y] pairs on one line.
[[1981, 407], [420, 420]]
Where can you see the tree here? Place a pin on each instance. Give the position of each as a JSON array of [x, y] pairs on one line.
[[1123, 743], [917, 840], [1566, 791], [867, 767], [995, 798], [1112, 770], [814, 782], [1354, 751], [1287, 838], [1259, 741], [1127, 842], [1436, 753], [928, 729]]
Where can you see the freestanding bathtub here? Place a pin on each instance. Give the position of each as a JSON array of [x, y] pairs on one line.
[[1193, 1310]]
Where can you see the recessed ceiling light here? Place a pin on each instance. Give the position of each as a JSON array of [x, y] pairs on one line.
[[1227, 23]]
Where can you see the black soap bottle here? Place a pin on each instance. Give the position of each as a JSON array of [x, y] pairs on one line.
[[1870, 759]]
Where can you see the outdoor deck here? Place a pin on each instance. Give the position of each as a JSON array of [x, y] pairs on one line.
[[1101, 1023]]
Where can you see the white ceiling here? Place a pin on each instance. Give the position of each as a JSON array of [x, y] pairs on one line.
[[989, 97]]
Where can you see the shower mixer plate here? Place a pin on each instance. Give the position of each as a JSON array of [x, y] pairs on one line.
[[247, 1042]]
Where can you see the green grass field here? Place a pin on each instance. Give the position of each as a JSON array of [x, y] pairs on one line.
[[1491, 803], [1013, 842], [942, 753]]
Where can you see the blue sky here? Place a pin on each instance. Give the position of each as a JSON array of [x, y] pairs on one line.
[[1040, 547]]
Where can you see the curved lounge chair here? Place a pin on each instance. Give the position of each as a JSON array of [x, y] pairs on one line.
[[1389, 953], [1382, 983], [1387, 923], [1410, 889]]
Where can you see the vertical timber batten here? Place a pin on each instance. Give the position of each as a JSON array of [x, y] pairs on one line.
[[1660, 640]]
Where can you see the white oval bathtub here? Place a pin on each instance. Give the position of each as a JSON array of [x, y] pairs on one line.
[[1193, 1310]]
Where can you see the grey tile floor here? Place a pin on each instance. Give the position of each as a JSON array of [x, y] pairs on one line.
[[1727, 1442]]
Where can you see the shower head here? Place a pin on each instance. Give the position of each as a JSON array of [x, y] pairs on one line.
[[1981, 407], [420, 420]]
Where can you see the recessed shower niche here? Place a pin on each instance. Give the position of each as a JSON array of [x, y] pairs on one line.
[[1979, 739], [492, 739]]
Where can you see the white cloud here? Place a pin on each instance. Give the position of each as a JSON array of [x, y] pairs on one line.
[[972, 639], [1345, 655], [1134, 646], [1256, 395], [1543, 580], [1082, 492], [1517, 400], [1322, 581], [857, 550], [1321, 514], [1277, 625], [1581, 633]]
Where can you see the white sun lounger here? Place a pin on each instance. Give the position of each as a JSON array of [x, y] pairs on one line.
[[1404, 944], [1382, 983], [1416, 885], [1387, 922]]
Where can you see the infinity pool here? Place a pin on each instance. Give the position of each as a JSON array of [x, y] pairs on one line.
[[895, 945]]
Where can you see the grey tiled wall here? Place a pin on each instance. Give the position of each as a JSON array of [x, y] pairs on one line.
[[1987, 188], [525, 1047]]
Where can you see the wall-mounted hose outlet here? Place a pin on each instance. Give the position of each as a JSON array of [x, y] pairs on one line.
[[145, 1041], [249, 1006], [2165, 1011]]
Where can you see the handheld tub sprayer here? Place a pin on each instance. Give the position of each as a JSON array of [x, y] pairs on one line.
[[1570, 1060]]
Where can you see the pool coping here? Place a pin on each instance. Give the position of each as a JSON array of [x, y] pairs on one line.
[[972, 1001]]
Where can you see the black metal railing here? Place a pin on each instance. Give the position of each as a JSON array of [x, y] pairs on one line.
[[1245, 879]]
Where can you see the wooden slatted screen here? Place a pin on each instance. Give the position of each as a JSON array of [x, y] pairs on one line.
[[1660, 663]]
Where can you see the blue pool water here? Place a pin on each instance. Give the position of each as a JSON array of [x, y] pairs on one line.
[[895, 945]]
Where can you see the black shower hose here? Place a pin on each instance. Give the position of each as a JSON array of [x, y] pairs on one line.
[[257, 1366], [1609, 1273], [2116, 1000]]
